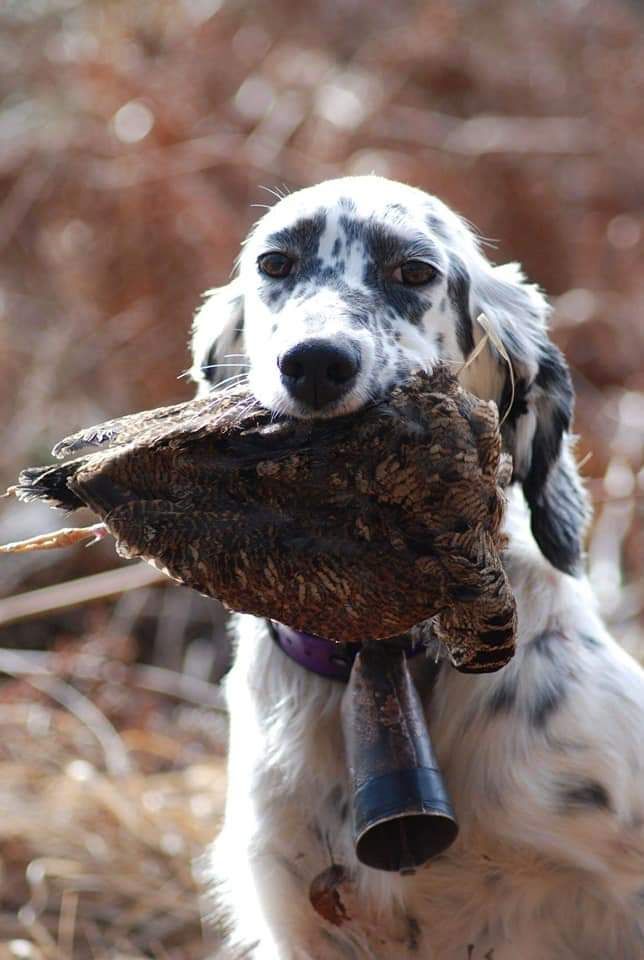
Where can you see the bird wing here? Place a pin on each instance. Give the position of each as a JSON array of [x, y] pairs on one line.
[[150, 426]]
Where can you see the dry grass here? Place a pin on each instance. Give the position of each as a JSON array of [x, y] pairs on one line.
[[101, 826]]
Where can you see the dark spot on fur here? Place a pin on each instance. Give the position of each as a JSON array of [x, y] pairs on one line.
[[303, 238], [493, 877], [519, 401], [583, 794], [395, 210], [413, 934], [458, 291], [558, 518], [401, 370], [338, 803], [440, 340], [590, 642], [316, 830], [548, 698], [359, 318], [551, 486], [272, 295], [313, 268], [547, 441], [209, 369], [437, 226], [552, 370], [546, 643], [504, 696], [379, 350], [337, 247]]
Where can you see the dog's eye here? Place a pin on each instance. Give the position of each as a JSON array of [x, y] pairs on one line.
[[414, 273], [275, 265]]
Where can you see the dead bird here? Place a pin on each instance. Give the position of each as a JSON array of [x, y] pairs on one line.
[[359, 527]]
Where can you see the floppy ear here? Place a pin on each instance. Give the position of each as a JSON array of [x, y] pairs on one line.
[[217, 334], [537, 415]]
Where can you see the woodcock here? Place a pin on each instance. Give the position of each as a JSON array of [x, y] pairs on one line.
[[355, 528]]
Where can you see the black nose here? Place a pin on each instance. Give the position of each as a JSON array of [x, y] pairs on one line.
[[318, 371]]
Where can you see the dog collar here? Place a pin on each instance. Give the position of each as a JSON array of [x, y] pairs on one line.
[[327, 658]]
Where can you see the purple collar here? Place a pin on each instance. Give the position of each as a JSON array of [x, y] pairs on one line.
[[327, 658]]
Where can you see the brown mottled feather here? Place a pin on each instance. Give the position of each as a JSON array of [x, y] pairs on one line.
[[353, 528]]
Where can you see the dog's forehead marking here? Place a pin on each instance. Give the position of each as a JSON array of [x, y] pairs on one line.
[[302, 236], [334, 234]]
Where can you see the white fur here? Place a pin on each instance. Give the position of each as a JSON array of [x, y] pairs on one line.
[[534, 875]]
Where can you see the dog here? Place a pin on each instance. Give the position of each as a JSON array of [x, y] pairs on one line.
[[343, 289]]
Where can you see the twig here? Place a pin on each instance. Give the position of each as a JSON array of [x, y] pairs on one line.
[[180, 685], [98, 586], [37, 663], [67, 922], [490, 335], [483, 321], [25, 192], [66, 537]]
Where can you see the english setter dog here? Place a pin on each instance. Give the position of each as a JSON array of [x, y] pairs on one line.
[[342, 290]]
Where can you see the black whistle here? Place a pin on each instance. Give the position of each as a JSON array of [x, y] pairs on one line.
[[402, 815]]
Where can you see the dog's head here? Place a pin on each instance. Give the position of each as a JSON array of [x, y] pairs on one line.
[[346, 287]]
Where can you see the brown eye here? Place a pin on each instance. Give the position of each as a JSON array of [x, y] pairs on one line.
[[414, 273], [276, 265]]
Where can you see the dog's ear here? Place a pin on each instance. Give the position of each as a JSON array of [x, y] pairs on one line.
[[536, 410], [218, 337]]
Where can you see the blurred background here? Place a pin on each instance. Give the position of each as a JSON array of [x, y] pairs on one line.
[[136, 141]]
